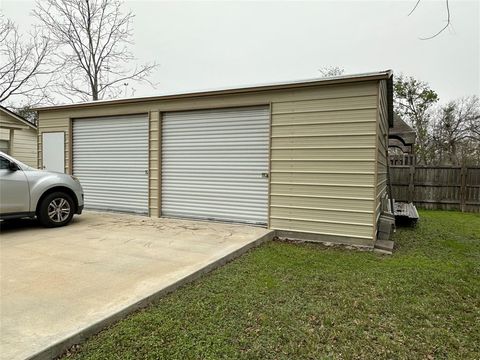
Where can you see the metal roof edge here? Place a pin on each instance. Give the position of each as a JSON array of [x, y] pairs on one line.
[[382, 75]]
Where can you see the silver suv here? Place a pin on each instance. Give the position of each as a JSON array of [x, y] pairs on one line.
[[27, 192]]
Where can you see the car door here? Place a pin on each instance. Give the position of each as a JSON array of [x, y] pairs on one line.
[[14, 190]]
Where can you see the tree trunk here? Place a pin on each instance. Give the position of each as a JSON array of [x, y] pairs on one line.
[[95, 89]]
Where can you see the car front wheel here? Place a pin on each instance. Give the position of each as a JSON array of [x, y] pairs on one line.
[[56, 209]]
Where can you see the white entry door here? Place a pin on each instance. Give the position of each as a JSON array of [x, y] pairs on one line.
[[215, 164], [110, 157], [53, 151]]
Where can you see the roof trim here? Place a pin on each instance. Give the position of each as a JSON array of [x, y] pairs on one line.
[[382, 75], [17, 117], [391, 120]]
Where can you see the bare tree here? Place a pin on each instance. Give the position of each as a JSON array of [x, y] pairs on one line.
[[23, 64], [456, 132], [328, 71], [473, 118], [93, 38]]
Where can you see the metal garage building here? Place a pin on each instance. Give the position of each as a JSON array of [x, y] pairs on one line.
[[306, 158]]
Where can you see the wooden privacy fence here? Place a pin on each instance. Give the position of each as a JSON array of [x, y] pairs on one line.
[[437, 187]]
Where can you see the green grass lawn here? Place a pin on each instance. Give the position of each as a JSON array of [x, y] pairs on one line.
[[307, 301]]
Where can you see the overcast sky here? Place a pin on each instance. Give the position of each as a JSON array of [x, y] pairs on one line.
[[204, 45]]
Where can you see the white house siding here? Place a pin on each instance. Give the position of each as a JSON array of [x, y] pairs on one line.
[[22, 138], [25, 146]]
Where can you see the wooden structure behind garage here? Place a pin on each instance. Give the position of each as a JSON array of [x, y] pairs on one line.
[[327, 157]]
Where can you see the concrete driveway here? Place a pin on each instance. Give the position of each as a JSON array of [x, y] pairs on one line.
[[60, 285]]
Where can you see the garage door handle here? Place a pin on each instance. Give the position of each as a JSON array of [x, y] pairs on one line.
[[146, 172], [265, 175]]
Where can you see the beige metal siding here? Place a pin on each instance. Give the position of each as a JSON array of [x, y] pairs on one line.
[[344, 204], [323, 165], [323, 151], [345, 228], [382, 148]]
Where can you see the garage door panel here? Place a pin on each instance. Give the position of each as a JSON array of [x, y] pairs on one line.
[[215, 154], [110, 156], [224, 142], [214, 213], [200, 198], [212, 164], [218, 126], [117, 165], [133, 187]]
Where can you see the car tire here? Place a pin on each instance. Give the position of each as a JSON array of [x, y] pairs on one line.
[[56, 209]]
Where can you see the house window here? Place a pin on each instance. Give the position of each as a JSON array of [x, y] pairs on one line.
[[5, 146]]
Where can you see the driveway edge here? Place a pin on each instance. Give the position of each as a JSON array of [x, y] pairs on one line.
[[61, 346]]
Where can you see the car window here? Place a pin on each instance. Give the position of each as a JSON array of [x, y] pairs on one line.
[[4, 163]]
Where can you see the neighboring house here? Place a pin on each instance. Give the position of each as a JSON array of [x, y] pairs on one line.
[[306, 158], [18, 137], [401, 143], [402, 136]]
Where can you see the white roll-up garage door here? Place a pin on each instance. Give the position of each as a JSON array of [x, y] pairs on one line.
[[110, 157], [215, 164]]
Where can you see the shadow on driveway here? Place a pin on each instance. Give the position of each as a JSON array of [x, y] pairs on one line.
[[8, 226]]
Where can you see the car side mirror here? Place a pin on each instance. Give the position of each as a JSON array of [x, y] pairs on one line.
[[12, 166]]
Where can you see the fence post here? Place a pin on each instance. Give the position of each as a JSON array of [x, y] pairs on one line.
[[463, 187], [411, 179]]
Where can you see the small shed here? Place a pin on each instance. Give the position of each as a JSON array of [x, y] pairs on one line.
[[306, 158], [18, 137]]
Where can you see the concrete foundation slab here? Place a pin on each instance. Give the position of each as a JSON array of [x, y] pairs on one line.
[[61, 285]]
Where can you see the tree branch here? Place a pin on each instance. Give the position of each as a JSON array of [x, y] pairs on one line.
[[93, 36], [447, 6], [445, 27]]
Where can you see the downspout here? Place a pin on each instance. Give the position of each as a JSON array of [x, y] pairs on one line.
[[390, 123], [389, 184]]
